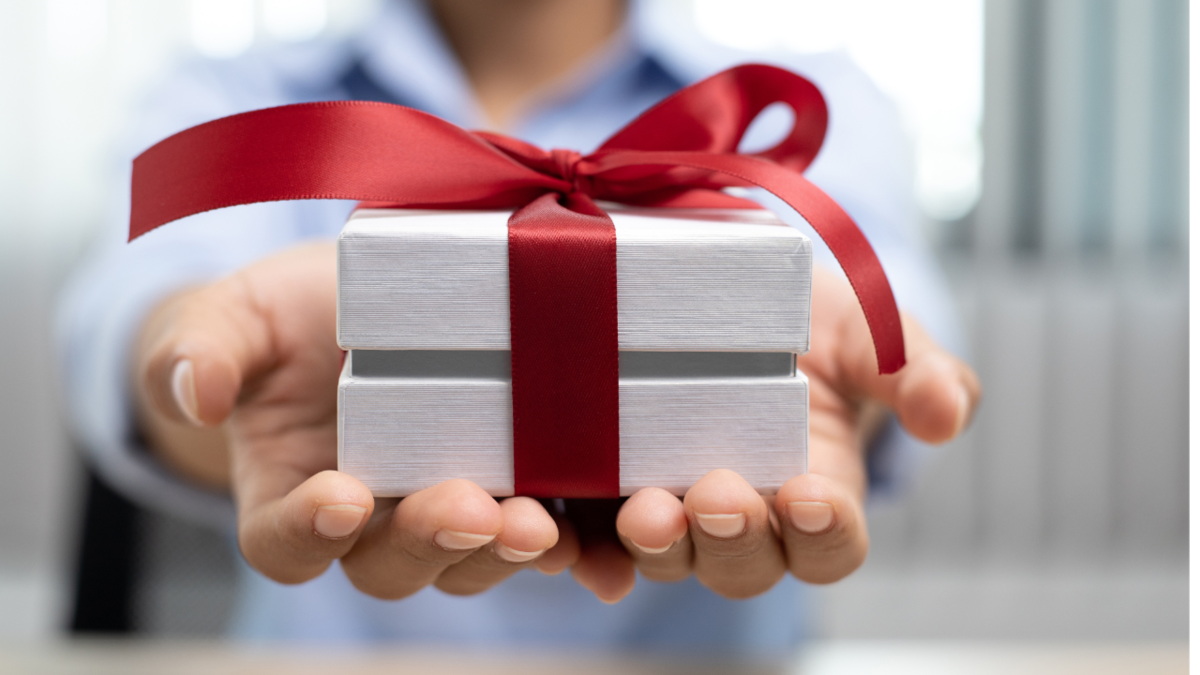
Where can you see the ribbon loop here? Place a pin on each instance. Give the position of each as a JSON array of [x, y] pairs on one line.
[[713, 115]]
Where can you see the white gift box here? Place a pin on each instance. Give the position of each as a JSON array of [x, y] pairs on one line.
[[713, 306]]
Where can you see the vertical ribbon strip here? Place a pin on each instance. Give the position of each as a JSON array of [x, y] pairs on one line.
[[563, 310]]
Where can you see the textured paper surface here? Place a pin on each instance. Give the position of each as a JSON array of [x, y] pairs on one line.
[[402, 434], [686, 281]]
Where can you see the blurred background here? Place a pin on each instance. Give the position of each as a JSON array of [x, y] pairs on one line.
[[1050, 140]]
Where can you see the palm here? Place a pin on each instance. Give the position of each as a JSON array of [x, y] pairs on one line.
[[836, 412], [284, 428]]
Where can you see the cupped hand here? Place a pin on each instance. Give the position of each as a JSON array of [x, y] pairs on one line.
[[739, 543], [236, 385]]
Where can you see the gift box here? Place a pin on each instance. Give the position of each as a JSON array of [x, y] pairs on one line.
[[529, 333], [712, 307]]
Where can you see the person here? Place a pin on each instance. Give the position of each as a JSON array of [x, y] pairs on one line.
[[202, 365]]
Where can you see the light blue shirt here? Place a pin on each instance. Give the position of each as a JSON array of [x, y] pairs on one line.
[[400, 57]]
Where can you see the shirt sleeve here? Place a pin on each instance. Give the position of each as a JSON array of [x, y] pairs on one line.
[[106, 300]]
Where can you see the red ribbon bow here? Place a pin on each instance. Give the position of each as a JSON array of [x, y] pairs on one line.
[[562, 247]]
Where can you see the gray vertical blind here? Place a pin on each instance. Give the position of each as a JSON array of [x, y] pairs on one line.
[[1085, 129], [1063, 511]]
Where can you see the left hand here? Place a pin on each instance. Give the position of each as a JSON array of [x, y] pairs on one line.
[[739, 543]]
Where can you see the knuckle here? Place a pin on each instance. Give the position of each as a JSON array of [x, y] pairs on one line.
[[665, 574], [670, 566], [283, 564], [375, 577], [825, 566], [837, 540], [463, 586], [286, 572], [460, 590], [375, 587], [738, 550], [741, 587], [428, 556], [423, 556], [824, 574]]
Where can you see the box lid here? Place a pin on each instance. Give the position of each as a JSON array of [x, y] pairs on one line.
[[687, 280]]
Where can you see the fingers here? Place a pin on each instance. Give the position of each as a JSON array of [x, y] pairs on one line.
[[196, 364], [528, 533], [737, 554], [198, 349], [604, 566], [933, 396], [401, 552], [294, 538], [564, 553], [936, 395], [823, 528], [654, 528], [453, 535]]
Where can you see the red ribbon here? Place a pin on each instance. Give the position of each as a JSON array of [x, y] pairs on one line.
[[562, 247]]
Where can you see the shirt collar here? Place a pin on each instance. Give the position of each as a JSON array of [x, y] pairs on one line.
[[404, 52]]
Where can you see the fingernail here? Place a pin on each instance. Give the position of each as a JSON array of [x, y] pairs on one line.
[[650, 549], [722, 525], [183, 387], [964, 409], [811, 517], [338, 521], [513, 555], [460, 541]]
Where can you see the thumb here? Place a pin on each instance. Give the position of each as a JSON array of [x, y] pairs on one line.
[[934, 396], [201, 345]]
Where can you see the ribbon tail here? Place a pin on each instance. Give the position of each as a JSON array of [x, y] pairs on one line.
[[834, 225], [355, 150], [863, 269]]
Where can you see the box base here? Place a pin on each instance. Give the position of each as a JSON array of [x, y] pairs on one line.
[[403, 434]]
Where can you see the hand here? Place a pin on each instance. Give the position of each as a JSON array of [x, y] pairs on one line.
[[739, 543], [237, 387]]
